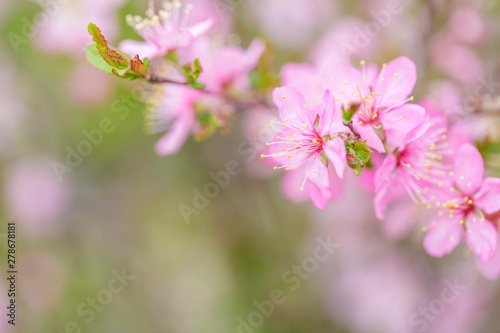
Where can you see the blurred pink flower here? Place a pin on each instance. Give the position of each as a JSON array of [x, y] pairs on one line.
[[89, 86], [341, 43], [178, 107], [34, 196], [307, 79], [257, 133], [222, 12], [491, 268], [401, 218], [173, 113], [66, 28], [224, 68], [304, 140], [290, 23], [465, 314], [470, 200], [467, 25], [455, 60], [377, 294], [163, 32], [444, 99]]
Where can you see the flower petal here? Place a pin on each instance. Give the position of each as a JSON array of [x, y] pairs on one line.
[[491, 268], [399, 78], [327, 113], [385, 174], [384, 197], [469, 169], [305, 79], [488, 196], [482, 237], [143, 49], [291, 183], [414, 134], [182, 40], [233, 63], [201, 27], [172, 141], [318, 184], [400, 220], [291, 104], [336, 153], [368, 133], [443, 236], [402, 120], [344, 81]]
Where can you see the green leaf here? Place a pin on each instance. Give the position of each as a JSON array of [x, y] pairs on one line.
[[349, 113], [172, 56], [208, 123], [196, 85], [358, 155], [95, 59], [324, 158], [146, 64], [197, 68], [113, 62]]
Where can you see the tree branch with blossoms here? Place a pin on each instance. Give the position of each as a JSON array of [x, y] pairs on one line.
[[330, 118]]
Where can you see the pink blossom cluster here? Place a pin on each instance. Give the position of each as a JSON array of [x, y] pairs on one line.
[[175, 108], [331, 116], [417, 158]]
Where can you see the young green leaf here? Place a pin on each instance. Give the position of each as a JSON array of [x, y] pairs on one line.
[[113, 62], [94, 58], [197, 68], [357, 155], [196, 85]]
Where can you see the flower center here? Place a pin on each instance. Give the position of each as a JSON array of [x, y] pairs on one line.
[[153, 27], [422, 161], [294, 145]]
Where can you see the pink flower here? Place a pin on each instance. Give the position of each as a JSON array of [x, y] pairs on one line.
[[224, 68], [379, 99], [458, 61], [470, 202], [173, 113], [181, 111], [469, 17], [491, 268], [65, 29], [179, 108], [336, 46], [292, 182], [89, 86], [308, 136], [412, 166], [307, 79], [35, 197], [165, 31], [289, 23]]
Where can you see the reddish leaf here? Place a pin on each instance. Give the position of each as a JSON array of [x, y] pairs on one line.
[[112, 57]]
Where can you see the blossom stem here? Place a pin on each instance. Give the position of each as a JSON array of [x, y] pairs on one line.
[[353, 130]]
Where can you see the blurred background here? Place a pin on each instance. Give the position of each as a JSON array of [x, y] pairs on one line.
[[103, 245]]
